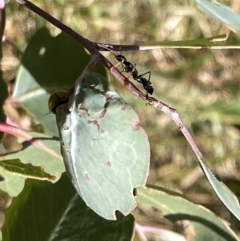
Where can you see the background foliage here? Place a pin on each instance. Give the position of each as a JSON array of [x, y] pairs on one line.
[[202, 84]]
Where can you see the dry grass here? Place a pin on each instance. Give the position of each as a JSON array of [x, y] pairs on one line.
[[202, 85]]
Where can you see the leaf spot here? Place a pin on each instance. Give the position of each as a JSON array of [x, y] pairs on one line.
[[65, 127], [108, 96], [108, 163], [102, 113], [81, 106], [136, 125], [123, 107], [86, 176], [95, 122]]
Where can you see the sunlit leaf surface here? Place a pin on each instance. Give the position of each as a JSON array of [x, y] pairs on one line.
[[220, 12], [197, 222], [105, 150]]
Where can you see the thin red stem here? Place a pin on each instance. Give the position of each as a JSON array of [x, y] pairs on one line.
[[20, 133]]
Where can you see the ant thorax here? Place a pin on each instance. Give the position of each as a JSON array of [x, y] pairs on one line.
[[120, 58], [128, 67]]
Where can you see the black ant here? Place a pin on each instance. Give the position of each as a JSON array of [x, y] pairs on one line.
[[128, 67]]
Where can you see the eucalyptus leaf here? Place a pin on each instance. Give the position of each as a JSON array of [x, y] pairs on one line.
[[46, 211], [27, 170], [80, 223], [226, 196], [221, 13], [37, 210], [45, 153], [198, 223], [105, 150]]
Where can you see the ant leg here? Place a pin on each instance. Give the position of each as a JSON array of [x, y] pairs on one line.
[[148, 81], [117, 65], [149, 75]]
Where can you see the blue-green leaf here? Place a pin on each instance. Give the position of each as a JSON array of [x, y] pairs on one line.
[[221, 13], [105, 150]]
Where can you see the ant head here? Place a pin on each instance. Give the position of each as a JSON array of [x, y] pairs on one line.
[[120, 58]]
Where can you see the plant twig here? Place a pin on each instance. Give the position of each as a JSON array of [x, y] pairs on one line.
[[22, 134], [85, 42]]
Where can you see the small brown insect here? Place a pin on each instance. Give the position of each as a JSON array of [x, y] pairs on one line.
[[56, 99]]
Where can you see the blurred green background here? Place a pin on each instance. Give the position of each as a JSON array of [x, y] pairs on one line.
[[203, 85]]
